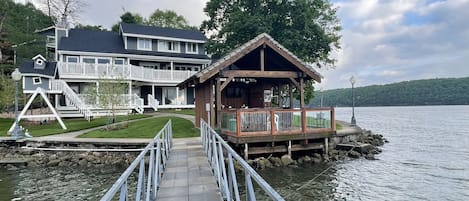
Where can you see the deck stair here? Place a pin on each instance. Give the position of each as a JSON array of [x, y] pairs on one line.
[[75, 100]]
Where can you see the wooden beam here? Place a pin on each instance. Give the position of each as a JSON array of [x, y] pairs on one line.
[[230, 59], [302, 93], [262, 58], [295, 82], [290, 91], [228, 80], [218, 100], [264, 74]]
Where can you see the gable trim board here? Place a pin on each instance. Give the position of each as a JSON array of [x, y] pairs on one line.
[[248, 47]]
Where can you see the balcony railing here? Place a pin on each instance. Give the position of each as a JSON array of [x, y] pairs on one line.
[[258, 122], [50, 41], [128, 72]]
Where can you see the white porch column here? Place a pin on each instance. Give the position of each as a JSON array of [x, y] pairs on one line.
[[163, 95], [172, 69], [177, 96], [97, 92]]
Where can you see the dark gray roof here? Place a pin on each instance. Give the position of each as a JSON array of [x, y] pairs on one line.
[[108, 42], [28, 68], [165, 32]]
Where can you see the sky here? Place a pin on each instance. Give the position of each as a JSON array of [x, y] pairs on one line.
[[383, 41]]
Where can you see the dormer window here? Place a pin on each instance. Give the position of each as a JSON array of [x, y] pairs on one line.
[[37, 80], [144, 44], [39, 62], [168, 46], [192, 48]]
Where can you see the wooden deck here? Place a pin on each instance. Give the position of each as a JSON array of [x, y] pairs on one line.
[[272, 125]]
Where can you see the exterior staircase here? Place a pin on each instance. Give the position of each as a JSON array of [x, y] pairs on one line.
[[80, 106], [83, 109]]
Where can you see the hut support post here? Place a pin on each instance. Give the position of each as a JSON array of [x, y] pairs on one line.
[[289, 148], [326, 146], [246, 154]]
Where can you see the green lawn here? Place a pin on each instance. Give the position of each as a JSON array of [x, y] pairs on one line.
[[181, 111], [71, 124], [148, 128]]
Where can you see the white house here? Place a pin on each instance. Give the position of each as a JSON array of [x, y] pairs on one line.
[[151, 60]]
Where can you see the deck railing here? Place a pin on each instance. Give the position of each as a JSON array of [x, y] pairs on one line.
[[218, 151], [110, 71], [147, 186], [255, 122]]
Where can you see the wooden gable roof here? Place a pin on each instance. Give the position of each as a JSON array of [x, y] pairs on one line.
[[240, 52]]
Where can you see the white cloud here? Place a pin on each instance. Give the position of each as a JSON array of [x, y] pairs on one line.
[[389, 41]]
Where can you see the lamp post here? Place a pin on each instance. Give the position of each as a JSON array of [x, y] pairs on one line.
[[322, 95], [17, 131], [353, 80]]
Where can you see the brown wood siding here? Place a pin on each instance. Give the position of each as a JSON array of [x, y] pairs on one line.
[[202, 96]]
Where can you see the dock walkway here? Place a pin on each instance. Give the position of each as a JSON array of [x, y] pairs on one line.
[[188, 175]]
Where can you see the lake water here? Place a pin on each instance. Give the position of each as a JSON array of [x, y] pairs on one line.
[[427, 159]]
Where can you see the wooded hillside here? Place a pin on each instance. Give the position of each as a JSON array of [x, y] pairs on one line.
[[17, 25], [447, 91]]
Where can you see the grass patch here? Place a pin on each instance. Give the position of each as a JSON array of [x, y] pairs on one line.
[[72, 125], [338, 126], [148, 128], [179, 111]]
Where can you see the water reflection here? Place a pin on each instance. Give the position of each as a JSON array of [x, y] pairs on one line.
[[303, 183], [57, 183]]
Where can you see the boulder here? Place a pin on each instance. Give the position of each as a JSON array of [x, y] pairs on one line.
[[354, 154], [286, 160], [276, 161], [307, 159], [370, 157], [53, 163], [82, 162]]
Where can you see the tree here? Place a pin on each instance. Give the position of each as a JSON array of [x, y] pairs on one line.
[[308, 28], [7, 87], [167, 18], [58, 9], [108, 95], [129, 18], [90, 27]]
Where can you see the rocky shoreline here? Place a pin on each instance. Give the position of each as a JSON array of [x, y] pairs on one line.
[[365, 145], [22, 157]]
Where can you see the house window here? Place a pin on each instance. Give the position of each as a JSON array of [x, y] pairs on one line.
[[119, 61], [37, 80], [89, 60], [104, 61], [192, 48], [168, 46], [72, 59], [144, 44]]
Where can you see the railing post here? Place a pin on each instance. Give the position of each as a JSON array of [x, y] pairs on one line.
[[272, 123], [140, 180], [333, 119], [250, 196], [238, 123], [303, 120], [123, 194], [150, 171]]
